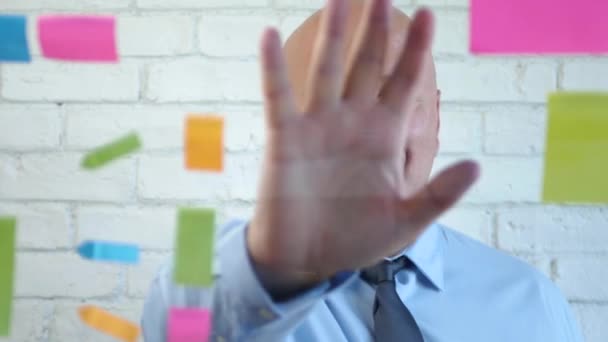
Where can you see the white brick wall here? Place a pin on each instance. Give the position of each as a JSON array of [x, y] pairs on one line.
[[172, 35], [45, 81], [200, 56], [30, 127]]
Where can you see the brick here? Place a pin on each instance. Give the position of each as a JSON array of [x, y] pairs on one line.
[[474, 222], [196, 79], [57, 176], [40, 225], [219, 36], [306, 4], [164, 177], [503, 179], [535, 80], [194, 4], [149, 227], [39, 5], [31, 320], [491, 80], [516, 130], [585, 75], [401, 3], [29, 127], [460, 130], [140, 278], [51, 81], [67, 325], [244, 128], [452, 33], [509, 180], [581, 279], [155, 35], [593, 318], [553, 229], [79, 278]]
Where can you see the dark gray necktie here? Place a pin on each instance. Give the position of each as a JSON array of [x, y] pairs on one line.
[[393, 322]]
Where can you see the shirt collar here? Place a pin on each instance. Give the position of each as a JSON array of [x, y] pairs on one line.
[[427, 254]]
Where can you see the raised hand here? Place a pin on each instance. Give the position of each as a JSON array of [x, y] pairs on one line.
[[330, 197]]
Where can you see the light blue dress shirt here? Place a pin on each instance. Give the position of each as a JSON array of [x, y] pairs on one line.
[[460, 290]]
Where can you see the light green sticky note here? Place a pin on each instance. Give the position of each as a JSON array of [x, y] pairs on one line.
[[577, 148], [109, 152], [7, 267], [193, 263]]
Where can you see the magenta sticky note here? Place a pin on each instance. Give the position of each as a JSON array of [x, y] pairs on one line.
[[78, 38], [188, 325], [539, 26]]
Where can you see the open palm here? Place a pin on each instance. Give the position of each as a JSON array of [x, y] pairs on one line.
[[329, 198]]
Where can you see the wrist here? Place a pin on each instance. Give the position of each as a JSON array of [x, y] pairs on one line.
[[282, 285], [280, 282]]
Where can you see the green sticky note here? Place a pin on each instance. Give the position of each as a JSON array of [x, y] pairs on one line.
[[577, 148], [7, 266], [193, 263], [109, 152]]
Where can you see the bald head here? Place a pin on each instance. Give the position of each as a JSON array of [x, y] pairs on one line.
[[422, 142], [299, 48]]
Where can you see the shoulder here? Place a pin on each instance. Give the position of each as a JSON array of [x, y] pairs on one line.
[[493, 266], [462, 249], [495, 275]]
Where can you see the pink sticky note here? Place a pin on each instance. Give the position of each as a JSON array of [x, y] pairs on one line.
[[78, 38], [539, 26], [189, 325]]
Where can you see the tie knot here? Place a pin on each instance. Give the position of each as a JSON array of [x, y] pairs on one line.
[[385, 270]]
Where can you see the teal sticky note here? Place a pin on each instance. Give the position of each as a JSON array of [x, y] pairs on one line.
[[107, 251], [13, 39], [193, 263], [111, 151], [7, 268]]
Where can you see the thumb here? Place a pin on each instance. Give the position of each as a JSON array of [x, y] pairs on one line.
[[419, 211]]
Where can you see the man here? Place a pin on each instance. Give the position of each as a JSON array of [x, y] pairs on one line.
[[352, 123]]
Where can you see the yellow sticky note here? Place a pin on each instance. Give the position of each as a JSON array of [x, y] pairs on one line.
[[109, 324], [204, 143], [576, 159]]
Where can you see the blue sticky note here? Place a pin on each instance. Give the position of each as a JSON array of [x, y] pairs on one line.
[[13, 39], [109, 252]]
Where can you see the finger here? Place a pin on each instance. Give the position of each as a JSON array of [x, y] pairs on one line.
[[397, 93], [438, 196], [365, 78], [278, 96], [325, 83]]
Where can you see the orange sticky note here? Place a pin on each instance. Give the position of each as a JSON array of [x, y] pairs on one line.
[[109, 324], [204, 144]]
